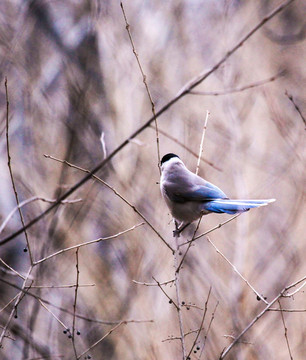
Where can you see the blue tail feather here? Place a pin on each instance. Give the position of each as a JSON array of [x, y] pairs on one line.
[[233, 206]]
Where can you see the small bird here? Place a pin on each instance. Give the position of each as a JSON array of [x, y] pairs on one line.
[[188, 196]]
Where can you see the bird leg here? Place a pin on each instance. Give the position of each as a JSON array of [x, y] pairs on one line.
[[179, 228]]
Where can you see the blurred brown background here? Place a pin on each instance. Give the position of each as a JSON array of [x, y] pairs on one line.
[[72, 76]]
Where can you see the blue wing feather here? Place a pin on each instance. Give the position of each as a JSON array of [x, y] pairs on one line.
[[198, 193]]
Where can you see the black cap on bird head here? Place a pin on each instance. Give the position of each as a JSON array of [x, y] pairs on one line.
[[168, 157]]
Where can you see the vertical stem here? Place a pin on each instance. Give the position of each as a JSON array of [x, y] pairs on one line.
[[75, 301], [178, 295], [10, 168]]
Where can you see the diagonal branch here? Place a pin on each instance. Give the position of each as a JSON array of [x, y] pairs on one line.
[[86, 243], [281, 294], [116, 193], [186, 90]]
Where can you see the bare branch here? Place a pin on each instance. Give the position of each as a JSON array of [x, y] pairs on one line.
[[144, 79], [17, 301], [281, 294], [189, 245], [10, 168], [186, 148], [239, 89], [211, 230], [153, 284], [285, 328], [33, 198], [178, 292], [13, 270], [116, 193], [52, 313], [290, 97], [237, 272], [185, 91], [164, 292], [75, 301], [202, 142], [102, 338], [201, 325], [86, 243]]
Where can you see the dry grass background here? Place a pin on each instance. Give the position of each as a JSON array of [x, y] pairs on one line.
[[71, 76]]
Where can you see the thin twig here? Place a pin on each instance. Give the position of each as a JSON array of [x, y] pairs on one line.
[[164, 292], [296, 290], [52, 313], [201, 325], [285, 329], [116, 193], [281, 294], [18, 299], [10, 168], [8, 304], [153, 284], [185, 91], [33, 198], [170, 338], [99, 321], [290, 97], [13, 270], [288, 310], [102, 338], [212, 229], [202, 142], [236, 271], [186, 148], [208, 329], [59, 286], [239, 89], [189, 245], [144, 79], [86, 243]]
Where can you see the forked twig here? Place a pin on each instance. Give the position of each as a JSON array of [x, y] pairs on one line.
[[115, 192], [211, 230], [201, 325], [208, 329], [153, 284], [18, 299], [45, 301], [281, 294], [189, 245], [164, 292], [101, 339]]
